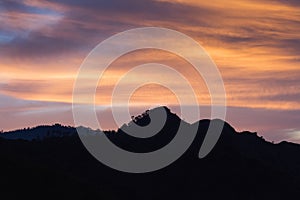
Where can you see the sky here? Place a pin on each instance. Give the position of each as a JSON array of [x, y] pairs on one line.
[[255, 45]]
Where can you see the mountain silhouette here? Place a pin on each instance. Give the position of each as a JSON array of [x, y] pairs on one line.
[[51, 162]]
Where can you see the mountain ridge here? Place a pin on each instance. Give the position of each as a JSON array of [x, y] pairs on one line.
[[45, 131], [240, 166]]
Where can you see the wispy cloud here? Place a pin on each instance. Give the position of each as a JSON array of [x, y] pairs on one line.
[[255, 44]]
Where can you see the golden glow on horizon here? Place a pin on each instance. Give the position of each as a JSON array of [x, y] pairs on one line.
[[152, 94]]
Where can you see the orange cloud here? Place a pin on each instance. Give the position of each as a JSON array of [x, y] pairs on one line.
[[255, 44]]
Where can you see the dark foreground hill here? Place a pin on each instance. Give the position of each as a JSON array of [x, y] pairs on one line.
[[50, 162]]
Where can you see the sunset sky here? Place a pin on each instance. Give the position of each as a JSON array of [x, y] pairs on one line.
[[254, 43]]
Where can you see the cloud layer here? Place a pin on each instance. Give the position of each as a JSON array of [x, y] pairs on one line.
[[255, 44]]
